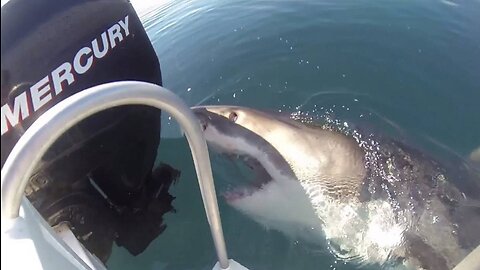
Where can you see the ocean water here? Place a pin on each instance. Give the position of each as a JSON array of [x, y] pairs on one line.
[[410, 69]]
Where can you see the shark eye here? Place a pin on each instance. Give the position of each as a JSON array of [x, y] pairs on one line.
[[233, 116]]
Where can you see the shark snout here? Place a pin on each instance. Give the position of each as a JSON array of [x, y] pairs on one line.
[[202, 116]]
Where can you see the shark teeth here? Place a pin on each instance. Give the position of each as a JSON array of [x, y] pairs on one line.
[[238, 193], [260, 177]]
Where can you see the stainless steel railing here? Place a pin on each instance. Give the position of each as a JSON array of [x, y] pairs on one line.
[[52, 124]]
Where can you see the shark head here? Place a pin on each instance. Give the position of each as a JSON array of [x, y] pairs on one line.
[[289, 157], [285, 148], [248, 133]]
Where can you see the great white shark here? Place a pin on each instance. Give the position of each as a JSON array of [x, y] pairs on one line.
[[370, 200]]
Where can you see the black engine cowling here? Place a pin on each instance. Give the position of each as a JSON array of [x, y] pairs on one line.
[[99, 176]]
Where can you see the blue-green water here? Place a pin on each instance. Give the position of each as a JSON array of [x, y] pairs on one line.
[[415, 64]]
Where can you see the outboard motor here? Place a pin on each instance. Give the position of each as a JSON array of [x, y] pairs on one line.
[[99, 177]]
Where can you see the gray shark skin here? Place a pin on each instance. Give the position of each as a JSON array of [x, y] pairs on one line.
[[372, 200]]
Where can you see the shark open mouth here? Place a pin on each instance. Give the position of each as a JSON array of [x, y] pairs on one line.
[[252, 184]]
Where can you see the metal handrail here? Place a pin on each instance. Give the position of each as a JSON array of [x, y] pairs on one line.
[[52, 124], [471, 261]]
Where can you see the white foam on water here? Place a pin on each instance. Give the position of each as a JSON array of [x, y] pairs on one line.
[[368, 231]]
